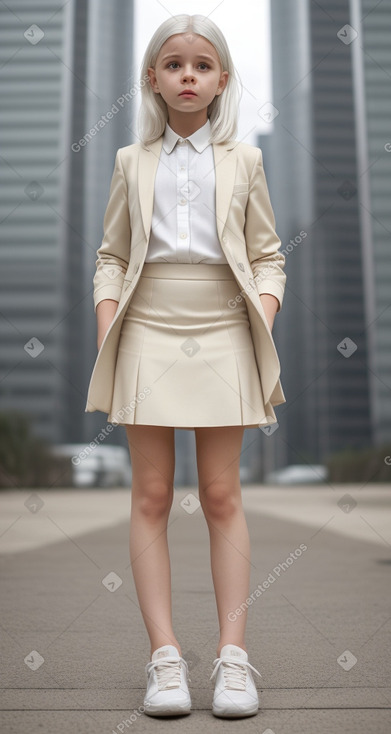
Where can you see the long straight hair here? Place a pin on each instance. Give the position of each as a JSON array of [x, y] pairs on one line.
[[222, 111]]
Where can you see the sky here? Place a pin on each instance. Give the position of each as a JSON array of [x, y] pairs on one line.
[[247, 36]]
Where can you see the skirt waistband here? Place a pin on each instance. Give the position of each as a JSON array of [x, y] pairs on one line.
[[190, 271]]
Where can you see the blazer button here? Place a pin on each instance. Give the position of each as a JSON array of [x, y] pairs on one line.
[[240, 266]]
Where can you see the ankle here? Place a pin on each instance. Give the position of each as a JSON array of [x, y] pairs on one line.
[[230, 643], [156, 647]]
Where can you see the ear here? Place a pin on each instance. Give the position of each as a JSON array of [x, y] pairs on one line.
[[152, 79], [222, 82]]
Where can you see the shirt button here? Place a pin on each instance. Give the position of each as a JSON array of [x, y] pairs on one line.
[[182, 168], [183, 201], [183, 235]]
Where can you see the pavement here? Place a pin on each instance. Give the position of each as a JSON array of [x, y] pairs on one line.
[[74, 645]]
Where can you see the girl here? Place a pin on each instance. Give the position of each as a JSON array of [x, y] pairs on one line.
[[189, 222]]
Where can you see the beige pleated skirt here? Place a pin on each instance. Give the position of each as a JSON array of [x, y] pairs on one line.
[[185, 354]]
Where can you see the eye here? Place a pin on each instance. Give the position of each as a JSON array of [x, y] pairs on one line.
[[202, 63]]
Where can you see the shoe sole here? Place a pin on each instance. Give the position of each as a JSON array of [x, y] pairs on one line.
[[159, 711], [234, 714]]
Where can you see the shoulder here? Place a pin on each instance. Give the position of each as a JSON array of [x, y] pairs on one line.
[[251, 153], [126, 158], [128, 151], [250, 156]]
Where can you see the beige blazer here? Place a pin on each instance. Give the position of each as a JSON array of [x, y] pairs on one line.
[[246, 230]]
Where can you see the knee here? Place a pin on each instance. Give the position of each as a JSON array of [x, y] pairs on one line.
[[220, 501], [153, 499]]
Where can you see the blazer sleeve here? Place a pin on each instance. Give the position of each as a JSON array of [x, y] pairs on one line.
[[114, 252], [262, 242]]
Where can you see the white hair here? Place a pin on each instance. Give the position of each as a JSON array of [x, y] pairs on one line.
[[222, 111]]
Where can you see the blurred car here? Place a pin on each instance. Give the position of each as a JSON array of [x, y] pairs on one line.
[[245, 474], [298, 474], [99, 466]]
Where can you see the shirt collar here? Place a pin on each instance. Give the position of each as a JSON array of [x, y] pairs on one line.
[[199, 139]]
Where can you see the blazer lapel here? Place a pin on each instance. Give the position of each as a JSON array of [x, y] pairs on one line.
[[225, 168], [147, 167]]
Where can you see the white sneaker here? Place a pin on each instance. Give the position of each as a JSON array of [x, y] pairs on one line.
[[235, 693], [167, 692]]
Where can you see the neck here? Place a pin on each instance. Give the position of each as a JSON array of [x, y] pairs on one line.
[[183, 125]]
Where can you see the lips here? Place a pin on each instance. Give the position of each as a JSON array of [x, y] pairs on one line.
[[188, 91]]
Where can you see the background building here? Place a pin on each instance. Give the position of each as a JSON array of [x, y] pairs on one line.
[[372, 89], [325, 164], [63, 67]]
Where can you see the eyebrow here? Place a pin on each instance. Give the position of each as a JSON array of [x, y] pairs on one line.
[[199, 56]]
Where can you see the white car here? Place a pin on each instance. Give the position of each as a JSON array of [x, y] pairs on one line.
[[298, 474], [99, 466]]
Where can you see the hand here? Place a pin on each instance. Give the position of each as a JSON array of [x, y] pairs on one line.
[[105, 312], [270, 306]]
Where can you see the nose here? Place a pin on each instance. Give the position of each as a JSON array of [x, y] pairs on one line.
[[187, 74]]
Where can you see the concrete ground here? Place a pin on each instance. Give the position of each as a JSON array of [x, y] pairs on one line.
[[74, 645]]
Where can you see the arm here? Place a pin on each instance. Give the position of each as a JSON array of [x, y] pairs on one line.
[[270, 306], [105, 312], [114, 252], [263, 243]]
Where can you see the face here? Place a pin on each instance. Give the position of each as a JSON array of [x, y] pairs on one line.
[[187, 61]]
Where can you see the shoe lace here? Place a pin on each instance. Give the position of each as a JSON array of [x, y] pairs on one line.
[[168, 672], [234, 673]]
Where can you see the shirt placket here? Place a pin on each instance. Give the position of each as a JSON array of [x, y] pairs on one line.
[[183, 218]]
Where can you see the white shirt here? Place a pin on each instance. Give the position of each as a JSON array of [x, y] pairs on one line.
[[183, 228]]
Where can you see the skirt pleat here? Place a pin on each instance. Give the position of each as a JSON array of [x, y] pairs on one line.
[[185, 354]]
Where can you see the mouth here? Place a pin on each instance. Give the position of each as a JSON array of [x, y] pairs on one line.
[[187, 93]]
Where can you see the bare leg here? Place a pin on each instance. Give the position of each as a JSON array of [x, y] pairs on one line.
[[152, 453], [218, 462]]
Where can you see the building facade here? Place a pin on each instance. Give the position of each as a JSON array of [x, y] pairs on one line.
[[326, 185]]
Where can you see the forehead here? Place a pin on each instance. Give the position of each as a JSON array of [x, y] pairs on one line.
[[188, 44]]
